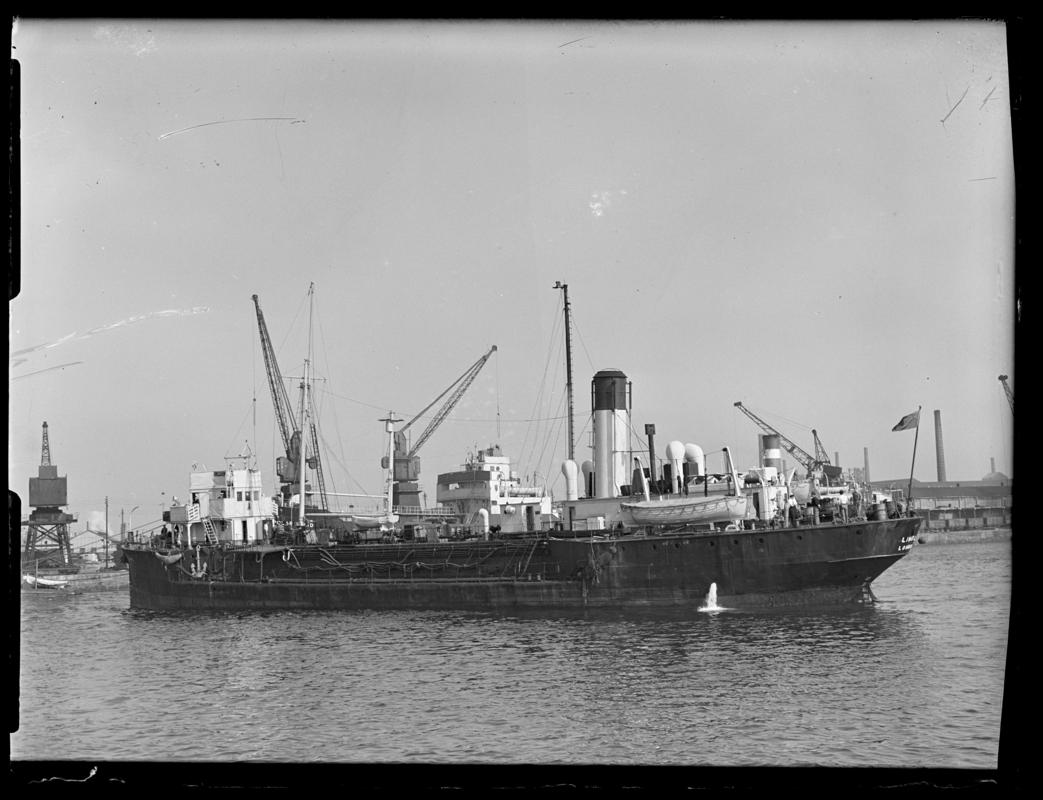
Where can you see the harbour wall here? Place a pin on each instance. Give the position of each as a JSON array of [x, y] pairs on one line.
[[967, 536], [963, 513]]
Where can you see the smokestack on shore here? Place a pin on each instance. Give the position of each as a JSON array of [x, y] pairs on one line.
[[938, 445], [865, 456]]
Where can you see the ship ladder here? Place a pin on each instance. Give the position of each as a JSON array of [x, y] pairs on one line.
[[211, 531]]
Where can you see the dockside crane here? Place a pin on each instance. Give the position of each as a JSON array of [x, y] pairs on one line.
[[288, 466], [406, 472], [812, 463], [1009, 392], [821, 456]]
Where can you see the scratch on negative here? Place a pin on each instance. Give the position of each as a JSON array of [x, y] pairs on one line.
[[971, 180], [91, 774], [46, 369], [291, 120], [983, 102], [580, 39], [957, 103]]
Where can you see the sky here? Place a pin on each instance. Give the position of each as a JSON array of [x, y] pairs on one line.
[[813, 218]]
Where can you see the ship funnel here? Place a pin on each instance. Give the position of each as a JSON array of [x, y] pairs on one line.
[[571, 473], [771, 451], [611, 428]]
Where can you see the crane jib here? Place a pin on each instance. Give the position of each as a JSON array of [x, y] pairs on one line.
[[806, 460], [457, 387], [288, 428]]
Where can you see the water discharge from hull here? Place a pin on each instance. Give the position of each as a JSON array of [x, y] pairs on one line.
[[711, 600]]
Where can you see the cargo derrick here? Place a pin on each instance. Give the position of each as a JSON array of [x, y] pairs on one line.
[[288, 467], [812, 463], [406, 472]]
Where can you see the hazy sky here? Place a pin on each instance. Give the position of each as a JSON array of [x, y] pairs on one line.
[[813, 218]]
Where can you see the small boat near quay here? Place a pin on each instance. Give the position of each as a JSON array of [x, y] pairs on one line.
[[34, 582], [98, 579]]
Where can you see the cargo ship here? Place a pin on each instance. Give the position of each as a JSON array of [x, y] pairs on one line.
[[608, 548], [618, 539]]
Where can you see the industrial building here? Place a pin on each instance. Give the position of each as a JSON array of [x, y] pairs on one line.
[[958, 505]]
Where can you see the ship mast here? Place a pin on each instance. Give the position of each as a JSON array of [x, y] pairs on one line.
[[306, 403], [568, 364]]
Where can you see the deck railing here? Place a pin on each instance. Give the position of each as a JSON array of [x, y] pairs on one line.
[[419, 511]]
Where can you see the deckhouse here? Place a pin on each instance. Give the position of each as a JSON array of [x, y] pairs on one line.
[[226, 505]]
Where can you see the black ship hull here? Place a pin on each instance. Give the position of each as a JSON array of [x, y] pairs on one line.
[[825, 564]]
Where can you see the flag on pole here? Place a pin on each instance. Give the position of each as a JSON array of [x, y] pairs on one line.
[[908, 421]]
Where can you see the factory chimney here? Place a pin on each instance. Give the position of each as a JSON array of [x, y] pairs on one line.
[[938, 445], [865, 456]]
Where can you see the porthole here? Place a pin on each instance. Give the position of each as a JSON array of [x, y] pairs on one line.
[[735, 541], [712, 543], [799, 537], [761, 541]]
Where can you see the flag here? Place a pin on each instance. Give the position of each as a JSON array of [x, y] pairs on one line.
[[908, 421]]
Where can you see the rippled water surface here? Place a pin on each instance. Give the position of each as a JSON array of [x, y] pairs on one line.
[[915, 681]]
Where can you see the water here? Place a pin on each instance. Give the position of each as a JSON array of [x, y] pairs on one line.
[[915, 681], [710, 604]]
